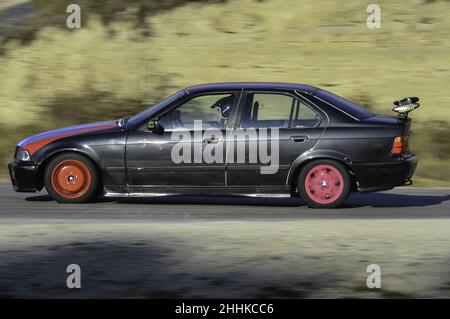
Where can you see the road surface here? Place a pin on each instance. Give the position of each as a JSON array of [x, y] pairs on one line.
[[400, 203], [189, 247]]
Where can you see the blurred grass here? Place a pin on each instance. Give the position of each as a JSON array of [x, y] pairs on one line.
[[129, 54], [226, 259], [10, 3]]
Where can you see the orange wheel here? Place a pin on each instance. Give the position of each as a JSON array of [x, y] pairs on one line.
[[71, 179]]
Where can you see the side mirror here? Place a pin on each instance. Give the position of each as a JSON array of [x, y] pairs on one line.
[[154, 126]]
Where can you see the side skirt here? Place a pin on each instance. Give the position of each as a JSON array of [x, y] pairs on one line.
[[264, 192]]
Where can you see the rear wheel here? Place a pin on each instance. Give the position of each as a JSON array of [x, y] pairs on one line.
[[324, 184], [71, 178]]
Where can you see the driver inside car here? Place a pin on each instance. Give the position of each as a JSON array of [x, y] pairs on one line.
[[224, 106]]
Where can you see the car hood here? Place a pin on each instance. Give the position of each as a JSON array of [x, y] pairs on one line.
[[36, 142]]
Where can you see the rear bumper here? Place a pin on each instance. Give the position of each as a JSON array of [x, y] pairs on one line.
[[23, 176], [385, 175]]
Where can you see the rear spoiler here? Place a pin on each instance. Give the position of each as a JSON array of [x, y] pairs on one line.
[[406, 105]]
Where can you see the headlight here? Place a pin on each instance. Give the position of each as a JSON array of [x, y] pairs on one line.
[[22, 155]]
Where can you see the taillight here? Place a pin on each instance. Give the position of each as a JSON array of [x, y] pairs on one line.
[[399, 145]]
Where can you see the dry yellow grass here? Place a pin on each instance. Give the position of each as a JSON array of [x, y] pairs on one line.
[[242, 41], [291, 41]]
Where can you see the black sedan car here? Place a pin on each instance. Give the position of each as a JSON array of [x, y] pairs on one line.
[[244, 139]]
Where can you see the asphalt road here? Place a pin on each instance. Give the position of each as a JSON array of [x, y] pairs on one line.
[[217, 247], [405, 203]]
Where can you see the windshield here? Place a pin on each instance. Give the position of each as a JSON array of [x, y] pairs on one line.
[[345, 105], [138, 118]]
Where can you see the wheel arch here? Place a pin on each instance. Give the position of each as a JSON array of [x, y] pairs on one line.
[[309, 157], [88, 154]]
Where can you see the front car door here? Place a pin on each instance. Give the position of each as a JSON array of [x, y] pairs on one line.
[[190, 152]]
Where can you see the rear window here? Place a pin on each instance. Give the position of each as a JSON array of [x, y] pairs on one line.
[[345, 105]]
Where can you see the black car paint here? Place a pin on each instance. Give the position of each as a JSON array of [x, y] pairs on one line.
[[134, 161]]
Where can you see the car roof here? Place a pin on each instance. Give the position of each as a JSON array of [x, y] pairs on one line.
[[251, 85]]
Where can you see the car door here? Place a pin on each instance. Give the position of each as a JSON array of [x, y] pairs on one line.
[[274, 118], [175, 157]]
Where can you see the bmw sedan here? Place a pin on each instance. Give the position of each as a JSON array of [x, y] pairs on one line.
[[237, 139]]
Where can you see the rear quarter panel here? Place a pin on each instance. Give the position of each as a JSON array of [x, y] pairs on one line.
[[361, 143]]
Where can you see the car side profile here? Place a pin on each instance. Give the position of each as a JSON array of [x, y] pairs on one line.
[[238, 139]]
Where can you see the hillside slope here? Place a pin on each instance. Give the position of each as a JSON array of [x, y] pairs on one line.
[[107, 70]]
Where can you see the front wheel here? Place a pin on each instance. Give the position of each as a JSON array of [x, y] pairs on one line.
[[324, 184], [71, 178]]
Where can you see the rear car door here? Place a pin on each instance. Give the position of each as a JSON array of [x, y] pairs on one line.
[[299, 129]]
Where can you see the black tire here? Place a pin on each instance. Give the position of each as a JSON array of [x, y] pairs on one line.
[[83, 169], [314, 202]]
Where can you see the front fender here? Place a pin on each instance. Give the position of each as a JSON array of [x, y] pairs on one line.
[[42, 157], [48, 152], [308, 156]]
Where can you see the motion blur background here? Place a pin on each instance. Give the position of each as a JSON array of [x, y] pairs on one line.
[[129, 54]]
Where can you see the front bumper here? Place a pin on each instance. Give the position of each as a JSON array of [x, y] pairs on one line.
[[23, 176], [385, 175]]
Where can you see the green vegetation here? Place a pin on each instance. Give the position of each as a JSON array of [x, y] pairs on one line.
[[129, 54]]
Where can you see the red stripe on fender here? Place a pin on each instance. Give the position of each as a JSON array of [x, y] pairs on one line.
[[33, 147]]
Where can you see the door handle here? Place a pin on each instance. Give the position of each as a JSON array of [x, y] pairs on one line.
[[212, 140], [299, 138]]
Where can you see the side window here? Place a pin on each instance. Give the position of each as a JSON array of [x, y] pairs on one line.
[[267, 110], [213, 110], [304, 116]]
